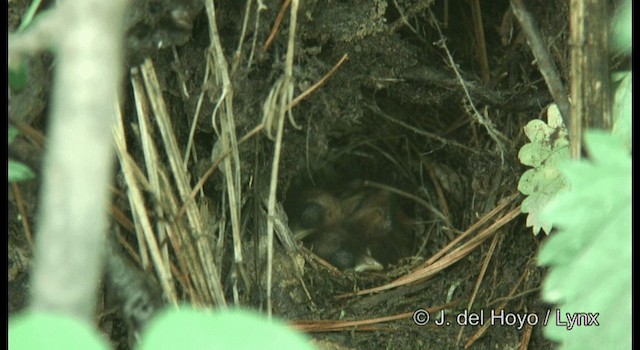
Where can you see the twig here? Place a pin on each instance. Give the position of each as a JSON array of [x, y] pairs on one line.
[[377, 111], [483, 270], [338, 325], [237, 56], [436, 264], [485, 327], [276, 25], [545, 62], [318, 84], [482, 45], [23, 213], [212, 168], [483, 120]]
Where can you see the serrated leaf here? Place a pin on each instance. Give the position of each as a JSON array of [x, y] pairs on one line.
[[548, 147], [533, 155], [554, 118], [590, 255], [534, 220], [604, 149]]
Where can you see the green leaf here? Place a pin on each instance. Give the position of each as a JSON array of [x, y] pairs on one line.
[[622, 28], [18, 75], [590, 255], [29, 14], [13, 132], [19, 172], [621, 110], [549, 146], [49, 331], [188, 329]]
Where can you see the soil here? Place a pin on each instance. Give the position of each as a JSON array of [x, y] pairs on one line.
[[395, 113]]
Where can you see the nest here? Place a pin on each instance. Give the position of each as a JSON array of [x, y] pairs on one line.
[[216, 135]]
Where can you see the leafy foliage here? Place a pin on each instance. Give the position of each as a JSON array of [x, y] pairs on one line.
[[590, 256], [183, 329], [49, 331], [187, 329], [621, 27], [549, 146], [622, 107], [18, 76], [17, 170]]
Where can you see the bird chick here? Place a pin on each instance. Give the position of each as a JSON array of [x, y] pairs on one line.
[[317, 219], [314, 208], [375, 216], [364, 229], [343, 250]]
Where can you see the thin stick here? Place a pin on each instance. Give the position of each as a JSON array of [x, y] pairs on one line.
[[377, 111], [545, 62], [483, 120], [212, 168], [482, 45], [486, 326], [276, 25], [23, 213], [431, 267], [483, 271], [336, 325], [237, 56], [320, 82]]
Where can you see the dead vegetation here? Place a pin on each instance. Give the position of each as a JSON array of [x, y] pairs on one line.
[[423, 98]]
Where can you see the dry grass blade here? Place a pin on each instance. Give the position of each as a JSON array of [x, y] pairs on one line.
[[166, 203], [335, 325], [151, 159], [228, 139], [140, 215], [31, 133], [460, 252], [500, 308], [213, 290], [481, 275], [275, 108], [446, 258]]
